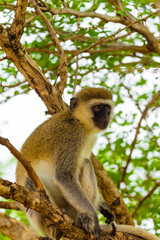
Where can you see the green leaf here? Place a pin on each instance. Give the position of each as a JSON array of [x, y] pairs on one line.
[[123, 13], [92, 33]]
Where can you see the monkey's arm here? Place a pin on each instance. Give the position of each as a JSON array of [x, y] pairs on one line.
[[131, 230], [72, 192], [67, 180], [102, 206]]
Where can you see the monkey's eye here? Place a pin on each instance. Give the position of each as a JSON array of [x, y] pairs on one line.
[[108, 108], [97, 108]]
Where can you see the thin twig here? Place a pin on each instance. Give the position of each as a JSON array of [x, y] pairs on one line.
[[112, 35], [64, 3], [26, 164], [108, 48], [4, 58], [132, 98], [73, 37], [8, 6], [28, 20], [136, 103], [80, 14], [144, 198], [13, 85]]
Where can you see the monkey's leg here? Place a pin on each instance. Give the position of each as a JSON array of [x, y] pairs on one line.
[[86, 214], [89, 177], [40, 223]]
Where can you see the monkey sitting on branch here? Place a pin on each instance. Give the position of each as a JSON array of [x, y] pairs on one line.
[[59, 151]]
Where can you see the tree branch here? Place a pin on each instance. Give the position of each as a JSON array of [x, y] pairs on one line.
[[3, 58], [132, 98], [16, 29], [112, 35], [8, 6], [15, 229], [26, 164], [12, 85], [91, 14], [128, 18], [38, 203], [111, 194], [109, 48], [9, 205], [30, 70], [62, 56], [144, 198]]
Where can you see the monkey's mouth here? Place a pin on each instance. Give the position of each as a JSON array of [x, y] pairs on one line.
[[102, 124]]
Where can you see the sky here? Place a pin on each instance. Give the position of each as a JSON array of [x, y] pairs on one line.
[[18, 118]]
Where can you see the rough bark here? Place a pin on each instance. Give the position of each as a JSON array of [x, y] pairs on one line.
[[24, 162], [40, 204], [16, 230], [49, 94]]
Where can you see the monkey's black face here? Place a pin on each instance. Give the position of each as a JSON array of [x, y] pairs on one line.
[[102, 113]]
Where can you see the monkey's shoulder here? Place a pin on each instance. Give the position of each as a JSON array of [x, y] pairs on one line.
[[61, 125], [62, 121], [60, 130]]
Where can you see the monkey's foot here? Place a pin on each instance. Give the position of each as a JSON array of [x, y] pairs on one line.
[[86, 222], [89, 224]]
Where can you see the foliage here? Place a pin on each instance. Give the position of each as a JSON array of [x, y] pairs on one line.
[[2, 237], [143, 169], [122, 63]]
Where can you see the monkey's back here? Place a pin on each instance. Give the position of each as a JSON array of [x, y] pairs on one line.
[[50, 137]]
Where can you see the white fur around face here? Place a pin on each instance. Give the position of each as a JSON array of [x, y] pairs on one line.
[[85, 115]]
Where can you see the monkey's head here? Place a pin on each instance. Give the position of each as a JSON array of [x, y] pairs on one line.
[[93, 107]]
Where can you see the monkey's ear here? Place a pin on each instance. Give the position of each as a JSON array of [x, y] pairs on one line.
[[73, 103]]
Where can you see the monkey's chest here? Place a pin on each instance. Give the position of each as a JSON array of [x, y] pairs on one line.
[[88, 146], [84, 157]]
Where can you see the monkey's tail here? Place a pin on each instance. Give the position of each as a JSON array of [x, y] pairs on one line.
[[136, 231]]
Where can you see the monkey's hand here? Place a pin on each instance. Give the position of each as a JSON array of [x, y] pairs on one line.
[[107, 212], [89, 223]]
